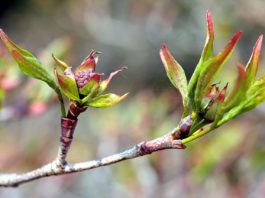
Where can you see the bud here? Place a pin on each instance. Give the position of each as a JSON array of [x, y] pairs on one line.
[[84, 83], [215, 103]]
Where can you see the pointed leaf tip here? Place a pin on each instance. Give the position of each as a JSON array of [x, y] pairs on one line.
[[104, 84], [176, 75], [225, 54], [212, 68], [209, 20], [208, 46], [164, 46], [61, 65], [235, 38], [253, 63], [222, 94], [89, 63], [207, 53]]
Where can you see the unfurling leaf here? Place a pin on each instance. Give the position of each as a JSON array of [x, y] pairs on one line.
[[61, 66], [215, 104], [211, 68], [237, 95], [68, 86], [91, 85], [176, 76], [208, 46], [104, 84], [106, 100], [92, 93], [89, 63], [28, 63], [253, 63], [207, 53]]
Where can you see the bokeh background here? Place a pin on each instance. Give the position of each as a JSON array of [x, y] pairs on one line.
[[227, 163]]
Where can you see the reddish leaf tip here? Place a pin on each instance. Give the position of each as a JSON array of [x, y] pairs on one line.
[[3, 35], [236, 37], [258, 44], [229, 47], [222, 94], [91, 54], [2, 32], [209, 20], [209, 17], [260, 38], [164, 46]]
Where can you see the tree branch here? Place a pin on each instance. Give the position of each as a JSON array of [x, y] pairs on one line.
[[144, 148]]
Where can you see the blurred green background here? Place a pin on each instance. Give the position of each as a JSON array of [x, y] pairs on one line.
[[227, 163]]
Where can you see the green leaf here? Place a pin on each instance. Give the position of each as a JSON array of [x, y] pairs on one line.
[[61, 66], [106, 100], [176, 76], [91, 85], [255, 100], [104, 84], [253, 63], [256, 86], [91, 94], [255, 96], [68, 86], [28, 63], [207, 53], [211, 68]]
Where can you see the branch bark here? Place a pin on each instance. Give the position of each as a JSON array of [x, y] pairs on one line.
[[144, 148]]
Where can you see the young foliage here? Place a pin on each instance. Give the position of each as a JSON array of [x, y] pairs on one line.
[[207, 53], [211, 107], [27, 62], [31, 66], [176, 76], [84, 85], [209, 104]]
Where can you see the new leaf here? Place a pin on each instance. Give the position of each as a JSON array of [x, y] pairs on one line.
[[176, 76], [28, 63]]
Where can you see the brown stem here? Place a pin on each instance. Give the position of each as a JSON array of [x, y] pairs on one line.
[[68, 125], [67, 132], [183, 129], [74, 111]]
